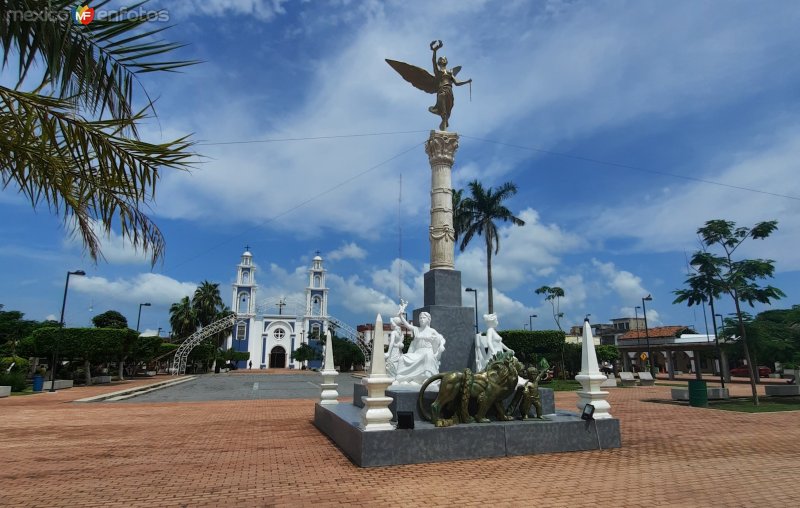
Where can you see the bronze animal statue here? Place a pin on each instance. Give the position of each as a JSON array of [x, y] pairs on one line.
[[527, 395], [441, 82], [488, 389]]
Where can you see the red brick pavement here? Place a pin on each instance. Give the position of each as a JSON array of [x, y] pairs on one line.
[[268, 453]]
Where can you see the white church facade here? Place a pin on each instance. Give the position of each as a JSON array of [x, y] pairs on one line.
[[272, 337]]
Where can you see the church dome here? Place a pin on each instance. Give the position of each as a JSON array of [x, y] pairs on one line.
[[317, 258]]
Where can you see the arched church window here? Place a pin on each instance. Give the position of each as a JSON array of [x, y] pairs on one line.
[[279, 334], [244, 301], [241, 331], [316, 306], [245, 277], [315, 331], [317, 281]]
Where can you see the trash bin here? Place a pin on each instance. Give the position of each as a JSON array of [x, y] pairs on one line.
[[698, 393], [38, 383]]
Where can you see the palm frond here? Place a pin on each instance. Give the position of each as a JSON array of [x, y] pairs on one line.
[[84, 170]]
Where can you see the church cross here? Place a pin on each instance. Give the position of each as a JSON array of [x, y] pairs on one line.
[[281, 304]]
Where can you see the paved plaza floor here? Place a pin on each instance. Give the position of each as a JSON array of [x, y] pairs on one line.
[[263, 450]]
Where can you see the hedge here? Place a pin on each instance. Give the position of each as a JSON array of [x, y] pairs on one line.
[[529, 346]]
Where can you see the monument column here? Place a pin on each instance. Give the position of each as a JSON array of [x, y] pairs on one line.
[[442, 283], [441, 149]]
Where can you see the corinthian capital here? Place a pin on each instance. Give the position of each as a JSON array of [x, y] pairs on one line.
[[441, 147]]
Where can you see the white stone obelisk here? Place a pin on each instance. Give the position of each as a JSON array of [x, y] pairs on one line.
[[591, 378], [441, 149], [376, 415], [329, 394]]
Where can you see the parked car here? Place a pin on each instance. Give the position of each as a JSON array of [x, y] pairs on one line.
[[745, 371]]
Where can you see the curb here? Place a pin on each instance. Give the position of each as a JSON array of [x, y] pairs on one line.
[[133, 392]]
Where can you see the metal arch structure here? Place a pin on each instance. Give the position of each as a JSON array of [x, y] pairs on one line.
[[182, 353], [354, 337]]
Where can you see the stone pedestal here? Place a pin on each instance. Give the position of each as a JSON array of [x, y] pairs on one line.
[[329, 393], [591, 378], [376, 415]]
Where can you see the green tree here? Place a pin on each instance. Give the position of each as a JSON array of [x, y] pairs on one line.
[[70, 138], [304, 353], [110, 319], [554, 296], [207, 302], [717, 274], [477, 215], [182, 318]]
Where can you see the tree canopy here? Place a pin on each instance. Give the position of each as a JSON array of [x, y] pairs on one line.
[[719, 273]]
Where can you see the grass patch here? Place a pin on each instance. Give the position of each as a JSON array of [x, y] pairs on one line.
[[744, 404], [562, 385], [766, 404]]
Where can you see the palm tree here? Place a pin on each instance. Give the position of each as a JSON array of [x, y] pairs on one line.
[[70, 141], [477, 214], [182, 318], [207, 302]]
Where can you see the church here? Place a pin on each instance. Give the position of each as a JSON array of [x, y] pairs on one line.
[[272, 337]]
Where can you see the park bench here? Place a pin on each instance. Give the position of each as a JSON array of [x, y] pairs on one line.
[[646, 379], [627, 379], [782, 390]]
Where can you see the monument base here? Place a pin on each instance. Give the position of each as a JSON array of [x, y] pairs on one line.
[[558, 432]]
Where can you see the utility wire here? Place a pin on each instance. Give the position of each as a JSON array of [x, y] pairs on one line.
[[628, 166], [299, 205], [312, 138]]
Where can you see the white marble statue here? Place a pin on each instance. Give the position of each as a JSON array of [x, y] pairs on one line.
[[486, 346], [424, 354], [395, 351]]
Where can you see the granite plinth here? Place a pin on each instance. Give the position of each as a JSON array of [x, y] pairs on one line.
[[405, 399], [457, 325], [562, 432], [442, 287]]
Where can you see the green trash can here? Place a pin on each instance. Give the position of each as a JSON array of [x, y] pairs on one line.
[[698, 393]]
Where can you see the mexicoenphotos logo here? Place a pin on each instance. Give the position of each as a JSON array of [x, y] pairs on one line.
[[83, 14]]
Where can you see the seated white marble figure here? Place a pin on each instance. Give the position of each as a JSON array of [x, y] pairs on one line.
[[395, 351], [424, 354], [489, 345]]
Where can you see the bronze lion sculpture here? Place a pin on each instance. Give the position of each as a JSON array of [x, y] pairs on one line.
[[488, 389]]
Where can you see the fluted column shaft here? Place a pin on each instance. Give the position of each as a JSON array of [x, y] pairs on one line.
[[441, 149]]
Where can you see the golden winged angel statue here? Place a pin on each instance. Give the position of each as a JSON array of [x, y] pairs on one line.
[[441, 83]]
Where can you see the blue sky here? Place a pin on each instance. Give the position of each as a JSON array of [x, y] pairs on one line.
[[611, 118]]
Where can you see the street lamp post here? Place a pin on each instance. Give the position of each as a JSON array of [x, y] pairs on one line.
[[138, 319], [716, 339], [61, 325], [647, 298], [530, 321], [475, 294]]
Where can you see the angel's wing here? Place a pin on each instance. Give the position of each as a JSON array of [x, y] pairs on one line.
[[418, 77], [456, 70]]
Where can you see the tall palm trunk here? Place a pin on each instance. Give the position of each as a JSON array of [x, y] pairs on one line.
[[490, 294]]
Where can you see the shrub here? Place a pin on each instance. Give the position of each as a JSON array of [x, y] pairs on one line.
[[529, 346], [16, 380]]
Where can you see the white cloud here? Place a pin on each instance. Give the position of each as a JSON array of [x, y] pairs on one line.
[[347, 251], [146, 287], [360, 299], [114, 248], [670, 224], [625, 284], [525, 253], [264, 10]]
